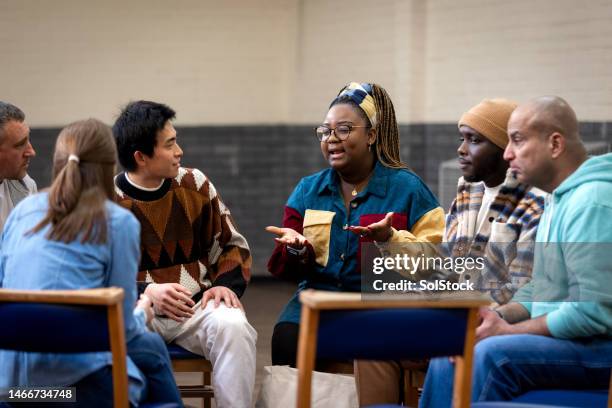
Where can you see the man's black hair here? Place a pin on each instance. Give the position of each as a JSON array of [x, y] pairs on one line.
[[136, 129]]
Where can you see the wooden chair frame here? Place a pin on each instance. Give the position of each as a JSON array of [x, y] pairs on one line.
[[313, 302], [112, 300], [197, 365]]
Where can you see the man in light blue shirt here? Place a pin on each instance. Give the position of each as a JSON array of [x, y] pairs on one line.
[[556, 332]]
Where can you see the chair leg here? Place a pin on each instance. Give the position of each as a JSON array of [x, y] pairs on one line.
[[411, 391], [307, 351], [413, 380], [206, 401], [203, 390]]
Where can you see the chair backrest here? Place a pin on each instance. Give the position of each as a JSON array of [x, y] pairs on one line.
[[345, 325], [73, 321]]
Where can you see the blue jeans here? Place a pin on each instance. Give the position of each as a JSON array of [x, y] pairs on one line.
[[92, 391], [508, 366], [148, 351]]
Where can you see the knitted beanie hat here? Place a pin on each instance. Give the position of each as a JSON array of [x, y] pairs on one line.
[[490, 119]]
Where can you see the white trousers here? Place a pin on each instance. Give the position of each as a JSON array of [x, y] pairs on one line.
[[225, 337]]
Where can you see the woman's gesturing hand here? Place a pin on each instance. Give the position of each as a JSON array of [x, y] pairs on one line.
[[288, 236], [379, 231]]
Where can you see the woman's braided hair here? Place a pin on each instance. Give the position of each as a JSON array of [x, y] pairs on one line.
[[387, 145], [387, 142]]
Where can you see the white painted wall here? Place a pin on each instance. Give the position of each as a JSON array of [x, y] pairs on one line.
[[282, 61]]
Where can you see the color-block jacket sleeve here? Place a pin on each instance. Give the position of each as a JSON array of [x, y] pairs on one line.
[[282, 264], [229, 257], [425, 225], [429, 228], [421, 239]]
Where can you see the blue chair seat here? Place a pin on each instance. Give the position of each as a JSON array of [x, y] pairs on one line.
[[347, 325], [566, 398], [552, 398], [510, 404], [73, 321], [179, 353]]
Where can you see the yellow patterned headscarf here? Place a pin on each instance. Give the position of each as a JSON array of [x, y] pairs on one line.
[[361, 94]]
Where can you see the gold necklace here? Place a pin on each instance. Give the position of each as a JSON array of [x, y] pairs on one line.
[[355, 192], [359, 185]]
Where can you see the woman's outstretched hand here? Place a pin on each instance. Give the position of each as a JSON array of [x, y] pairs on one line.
[[288, 236], [378, 231]]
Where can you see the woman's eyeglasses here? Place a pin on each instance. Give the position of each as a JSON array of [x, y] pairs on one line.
[[342, 132]]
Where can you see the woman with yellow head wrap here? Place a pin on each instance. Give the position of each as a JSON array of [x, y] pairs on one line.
[[327, 215]]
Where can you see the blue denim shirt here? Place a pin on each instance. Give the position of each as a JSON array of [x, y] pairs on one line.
[[316, 209], [30, 261]]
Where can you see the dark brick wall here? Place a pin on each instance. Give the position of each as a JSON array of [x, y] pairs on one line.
[[256, 167]]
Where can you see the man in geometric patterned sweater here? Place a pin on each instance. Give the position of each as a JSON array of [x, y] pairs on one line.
[[195, 265]]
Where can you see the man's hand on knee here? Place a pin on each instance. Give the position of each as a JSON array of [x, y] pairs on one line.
[[171, 299], [221, 293], [492, 325]]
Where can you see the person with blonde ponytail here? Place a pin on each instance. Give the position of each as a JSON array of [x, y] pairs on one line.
[[326, 217], [74, 237]]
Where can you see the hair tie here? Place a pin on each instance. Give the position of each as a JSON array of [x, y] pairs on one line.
[[74, 158]]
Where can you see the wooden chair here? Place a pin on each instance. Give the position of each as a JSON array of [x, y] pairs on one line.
[[345, 325], [185, 361], [73, 321]]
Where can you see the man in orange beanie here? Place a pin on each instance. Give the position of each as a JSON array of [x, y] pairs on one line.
[[491, 207]]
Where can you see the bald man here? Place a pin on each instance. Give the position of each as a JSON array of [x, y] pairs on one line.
[[557, 330], [491, 207]]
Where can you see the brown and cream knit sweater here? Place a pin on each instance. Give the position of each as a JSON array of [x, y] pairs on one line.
[[187, 234]]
